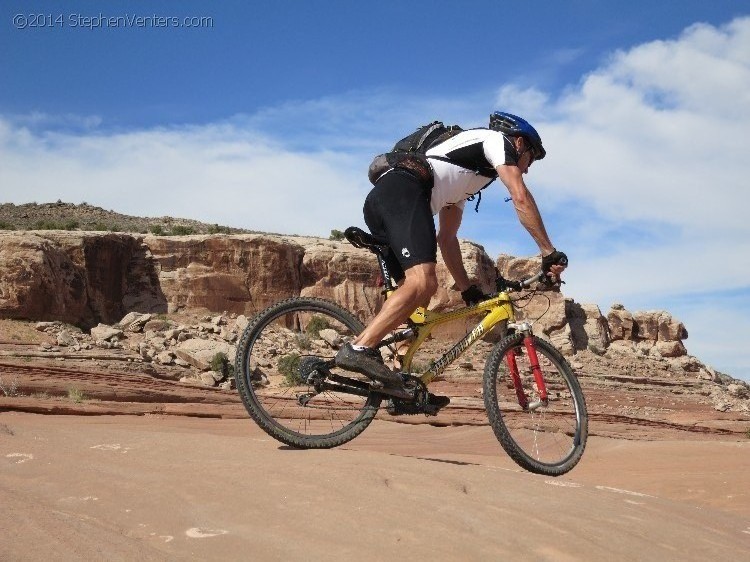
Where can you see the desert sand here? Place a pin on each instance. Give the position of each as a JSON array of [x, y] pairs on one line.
[[162, 487]]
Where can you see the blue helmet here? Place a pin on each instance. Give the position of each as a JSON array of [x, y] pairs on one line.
[[515, 126]]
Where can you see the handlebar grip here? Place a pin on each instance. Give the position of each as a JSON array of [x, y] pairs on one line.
[[531, 280]]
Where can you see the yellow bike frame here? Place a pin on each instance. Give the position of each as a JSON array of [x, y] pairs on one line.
[[496, 310]]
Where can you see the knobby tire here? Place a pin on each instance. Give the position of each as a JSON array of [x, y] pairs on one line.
[[287, 423], [551, 439]]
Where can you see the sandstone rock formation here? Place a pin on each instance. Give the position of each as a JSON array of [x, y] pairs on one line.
[[90, 278], [78, 278]]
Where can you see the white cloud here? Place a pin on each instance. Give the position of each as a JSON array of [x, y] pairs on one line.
[[658, 136], [217, 173], [660, 133]]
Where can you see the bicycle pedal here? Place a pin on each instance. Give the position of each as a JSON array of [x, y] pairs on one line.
[[397, 407]]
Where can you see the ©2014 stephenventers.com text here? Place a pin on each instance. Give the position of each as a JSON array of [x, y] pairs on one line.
[[38, 20]]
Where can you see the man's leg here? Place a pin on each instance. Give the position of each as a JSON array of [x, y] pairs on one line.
[[418, 286], [361, 355]]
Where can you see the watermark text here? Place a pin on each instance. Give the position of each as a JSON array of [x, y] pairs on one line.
[[39, 20]]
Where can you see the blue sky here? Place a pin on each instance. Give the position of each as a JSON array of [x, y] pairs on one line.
[[267, 117]]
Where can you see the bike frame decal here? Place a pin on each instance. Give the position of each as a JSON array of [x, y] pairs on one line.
[[452, 354], [498, 309]]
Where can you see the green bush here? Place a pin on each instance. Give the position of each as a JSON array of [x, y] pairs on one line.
[[157, 230], [216, 229], [10, 388], [316, 324], [181, 230], [6, 226], [76, 395], [289, 367], [336, 235], [303, 341], [220, 364], [52, 225]]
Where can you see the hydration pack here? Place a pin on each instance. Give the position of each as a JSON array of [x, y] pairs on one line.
[[409, 152]]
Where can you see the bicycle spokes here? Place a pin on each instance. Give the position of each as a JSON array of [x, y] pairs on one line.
[[535, 405]]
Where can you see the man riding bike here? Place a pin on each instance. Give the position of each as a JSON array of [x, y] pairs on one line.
[[400, 209]]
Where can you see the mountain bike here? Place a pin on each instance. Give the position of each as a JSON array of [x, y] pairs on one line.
[[291, 387]]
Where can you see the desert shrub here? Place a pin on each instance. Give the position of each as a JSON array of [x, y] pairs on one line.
[[181, 230], [316, 324], [6, 226], [10, 388], [289, 367], [220, 364], [303, 341], [216, 229], [336, 235], [76, 395], [52, 225]]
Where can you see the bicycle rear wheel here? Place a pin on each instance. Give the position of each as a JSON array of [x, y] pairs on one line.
[[286, 351], [548, 438]]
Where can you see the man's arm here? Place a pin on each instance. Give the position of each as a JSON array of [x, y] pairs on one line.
[[450, 219], [528, 212]]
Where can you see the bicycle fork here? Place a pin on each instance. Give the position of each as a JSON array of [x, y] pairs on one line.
[[510, 356]]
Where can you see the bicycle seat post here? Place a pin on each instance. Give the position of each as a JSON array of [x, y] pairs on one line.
[[388, 286]]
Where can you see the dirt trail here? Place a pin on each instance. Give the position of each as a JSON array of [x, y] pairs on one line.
[[166, 487]]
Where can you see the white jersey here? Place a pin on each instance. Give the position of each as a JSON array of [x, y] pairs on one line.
[[476, 148]]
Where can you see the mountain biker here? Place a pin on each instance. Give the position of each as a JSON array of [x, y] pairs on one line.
[[400, 208]]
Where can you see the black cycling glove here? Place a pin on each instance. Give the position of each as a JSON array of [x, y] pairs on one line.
[[555, 258], [473, 295]]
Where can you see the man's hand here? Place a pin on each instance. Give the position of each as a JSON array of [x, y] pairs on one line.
[[554, 264], [473, 295]]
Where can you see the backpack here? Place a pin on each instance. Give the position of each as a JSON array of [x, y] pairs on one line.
[[409, 152]]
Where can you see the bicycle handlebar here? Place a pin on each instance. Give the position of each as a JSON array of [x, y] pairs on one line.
[[505, 284]]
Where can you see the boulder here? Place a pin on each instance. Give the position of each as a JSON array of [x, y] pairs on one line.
[[65, 339], [134, 321], [670, 329], [620, 323], [331, 337], [670, 348], [103, 332], [646, 324], [200, 352], [588, 327], [241, 323]]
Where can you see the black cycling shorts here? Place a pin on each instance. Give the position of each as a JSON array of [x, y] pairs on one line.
[[398, 209]]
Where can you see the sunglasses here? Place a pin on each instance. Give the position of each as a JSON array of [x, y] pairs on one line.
[[533, 154]]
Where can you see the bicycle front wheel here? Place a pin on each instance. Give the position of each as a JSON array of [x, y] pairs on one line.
[[281, 353], [545, 437]]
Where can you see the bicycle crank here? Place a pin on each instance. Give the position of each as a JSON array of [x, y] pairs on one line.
[[420, 404]]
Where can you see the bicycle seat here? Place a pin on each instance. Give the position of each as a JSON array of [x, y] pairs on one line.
[[361, 239]]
